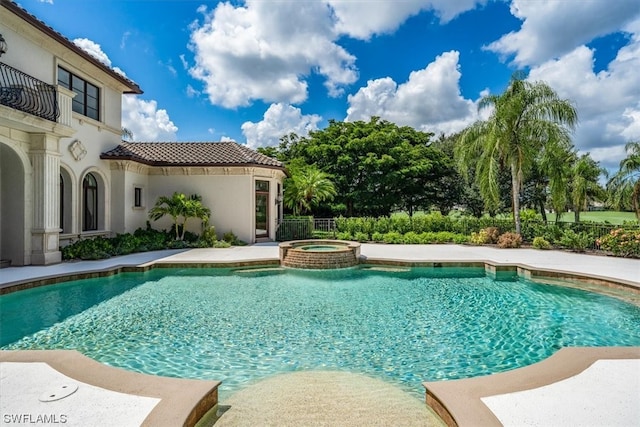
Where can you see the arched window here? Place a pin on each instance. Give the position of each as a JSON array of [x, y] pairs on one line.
[[90, 200]]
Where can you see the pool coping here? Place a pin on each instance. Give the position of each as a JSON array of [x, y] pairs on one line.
[[494, 269], [458, 402], [182, 401]]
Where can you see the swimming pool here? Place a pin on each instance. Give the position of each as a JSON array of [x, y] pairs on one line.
[[405, 327]]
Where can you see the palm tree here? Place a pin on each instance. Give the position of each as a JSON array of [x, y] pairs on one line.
[[624, 186], [127, 135], [526, 119], [194, 208], [585, 173], [306, 188], [180, 209]]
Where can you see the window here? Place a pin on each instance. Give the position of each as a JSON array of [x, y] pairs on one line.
[[87, 99], [90, 200], [137, 197]]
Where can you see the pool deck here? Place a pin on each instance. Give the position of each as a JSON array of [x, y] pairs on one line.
[[597, 386]]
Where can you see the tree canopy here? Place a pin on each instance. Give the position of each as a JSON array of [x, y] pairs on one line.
[[376, 166], [528, 122]]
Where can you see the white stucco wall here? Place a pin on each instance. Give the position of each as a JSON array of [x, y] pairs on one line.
[[228, 192], [38, 55]]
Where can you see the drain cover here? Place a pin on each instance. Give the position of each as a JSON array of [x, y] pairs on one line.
[[58, 392]]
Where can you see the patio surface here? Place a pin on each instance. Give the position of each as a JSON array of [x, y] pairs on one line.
[[334, 399]]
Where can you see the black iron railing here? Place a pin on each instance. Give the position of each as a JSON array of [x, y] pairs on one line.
[[25, 93]]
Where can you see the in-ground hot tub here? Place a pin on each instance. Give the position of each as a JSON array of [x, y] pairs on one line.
[[319, 254]]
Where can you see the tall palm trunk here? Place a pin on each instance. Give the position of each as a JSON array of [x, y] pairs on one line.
[[515, 191]]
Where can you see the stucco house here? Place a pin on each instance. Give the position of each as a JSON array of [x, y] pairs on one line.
[[65, 172]]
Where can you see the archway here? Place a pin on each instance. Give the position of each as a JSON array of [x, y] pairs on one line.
[[12, 207]]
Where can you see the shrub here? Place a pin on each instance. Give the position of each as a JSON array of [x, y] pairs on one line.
[[221, 244], [578, 242], [393, 237], [493, 234], [621, 242], [480, 238], [509, 240], [377, 237], [361, 237], [345, 235], [412, 237], [232, 239], [208, 238], [541, 243], [460, 239]]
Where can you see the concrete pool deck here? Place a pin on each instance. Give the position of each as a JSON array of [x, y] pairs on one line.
[[504, 406]]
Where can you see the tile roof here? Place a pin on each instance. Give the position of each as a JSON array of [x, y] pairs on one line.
[[34, 21], [190, 154]]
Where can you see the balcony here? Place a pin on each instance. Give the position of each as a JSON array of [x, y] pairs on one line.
[[22, 92]]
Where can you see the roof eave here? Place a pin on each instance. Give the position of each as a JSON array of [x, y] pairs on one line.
[[133, 87]]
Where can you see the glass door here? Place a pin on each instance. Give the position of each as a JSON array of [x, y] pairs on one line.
[[262, 208]]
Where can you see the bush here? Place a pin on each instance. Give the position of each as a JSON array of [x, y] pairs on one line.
[[361, 237], [460, 239], [345, 235], [208, 238], [377, 237], [541, 243], [393, 237], [479, 238], [412, 237], [493, 234], [577, 242], [621, 242], [509, 240], [232, 239]]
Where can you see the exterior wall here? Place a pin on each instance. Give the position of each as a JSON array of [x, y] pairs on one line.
[[47, 145], [228, 192]]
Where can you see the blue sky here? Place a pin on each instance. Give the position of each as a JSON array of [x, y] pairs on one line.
[[252, 71]]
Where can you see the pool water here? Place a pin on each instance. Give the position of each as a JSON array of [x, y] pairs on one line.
[[402, 327], [324, 248]]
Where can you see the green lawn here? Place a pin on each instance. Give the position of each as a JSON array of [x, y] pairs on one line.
[[612, 217]]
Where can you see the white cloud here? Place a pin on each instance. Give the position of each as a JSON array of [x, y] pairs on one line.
[[429, 100], [361, 19], [279, 120], [93, 49], [552, 28], [607, 101], [264, 50], [146, 121], [227, 139], [142, 118]]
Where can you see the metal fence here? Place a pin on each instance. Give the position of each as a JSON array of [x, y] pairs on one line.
[[22, 92]]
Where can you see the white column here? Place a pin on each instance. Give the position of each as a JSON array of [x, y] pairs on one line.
[[45, 231]]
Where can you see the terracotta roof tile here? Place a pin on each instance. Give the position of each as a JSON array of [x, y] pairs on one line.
[[190, 154]]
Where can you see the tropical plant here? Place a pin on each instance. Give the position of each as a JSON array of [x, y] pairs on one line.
[[127, 135], [180, 208], [624, 186], [621, 242], [585, 174], [527, 120], [509, 240], [307, 187]]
